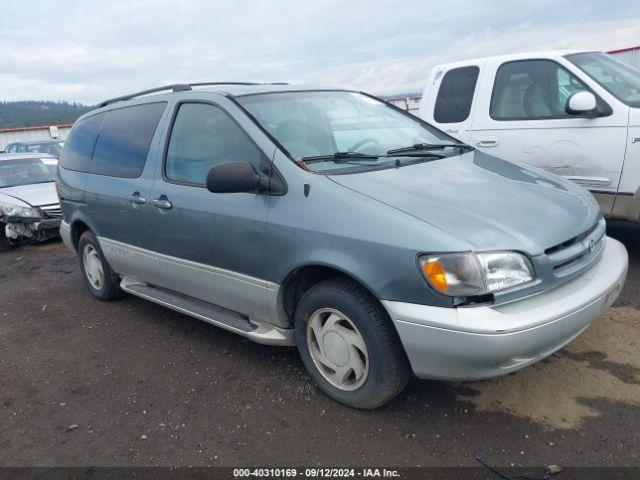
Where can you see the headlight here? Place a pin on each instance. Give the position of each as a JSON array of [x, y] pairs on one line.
[[471, 274], [10, 210]]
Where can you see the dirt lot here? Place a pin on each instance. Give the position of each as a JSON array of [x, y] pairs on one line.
[[129, 383]]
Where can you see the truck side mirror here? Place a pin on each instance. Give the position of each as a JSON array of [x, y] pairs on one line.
[[582, 103]]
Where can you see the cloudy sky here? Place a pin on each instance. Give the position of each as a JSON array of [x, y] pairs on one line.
[[88, 50]]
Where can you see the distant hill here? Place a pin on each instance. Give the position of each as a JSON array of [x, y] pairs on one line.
[[31, 113]]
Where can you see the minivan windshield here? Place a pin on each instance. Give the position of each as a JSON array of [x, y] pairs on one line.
[[26, 171], [343, 132], [622, 81]]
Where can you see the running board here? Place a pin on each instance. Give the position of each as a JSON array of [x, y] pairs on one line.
[[218, 316]]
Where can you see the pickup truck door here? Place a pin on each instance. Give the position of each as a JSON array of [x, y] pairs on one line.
[[520, 116], [627, 205], [451, 108]]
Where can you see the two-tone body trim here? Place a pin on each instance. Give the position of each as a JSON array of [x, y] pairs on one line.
[[256, 298]]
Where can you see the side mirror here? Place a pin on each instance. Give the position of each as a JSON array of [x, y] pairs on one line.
[[582, 103], [236, 177]]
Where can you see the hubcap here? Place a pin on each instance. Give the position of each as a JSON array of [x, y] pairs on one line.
[[337, 349], [93, 266]]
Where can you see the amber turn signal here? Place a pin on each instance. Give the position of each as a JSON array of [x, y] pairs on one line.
[[434, 273]]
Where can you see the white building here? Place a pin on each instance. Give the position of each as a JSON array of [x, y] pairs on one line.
[[630, 55], [410, 104], [31, 134]]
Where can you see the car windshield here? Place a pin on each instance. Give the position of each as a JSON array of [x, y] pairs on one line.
[[52, 148], [26, 171], [621, 80], [345, 127]]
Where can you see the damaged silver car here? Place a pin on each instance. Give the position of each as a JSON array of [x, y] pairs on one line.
[[29, 206]]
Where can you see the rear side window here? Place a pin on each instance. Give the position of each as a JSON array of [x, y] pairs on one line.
[[453, 103], [124, 139], [79, 146]]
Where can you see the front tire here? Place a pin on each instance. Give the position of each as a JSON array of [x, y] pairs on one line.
[[349, 345], [4, 241], [102, 282]]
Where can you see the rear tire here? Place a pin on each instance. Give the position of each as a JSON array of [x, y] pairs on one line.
[[348, 344], [102, 282]]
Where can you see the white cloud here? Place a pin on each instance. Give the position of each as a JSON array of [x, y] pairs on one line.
[[409, 74], [89, 50]]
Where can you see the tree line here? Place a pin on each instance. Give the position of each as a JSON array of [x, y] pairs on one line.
[[33, 113]]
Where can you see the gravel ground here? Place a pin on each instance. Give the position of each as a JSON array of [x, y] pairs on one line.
[[129, 383]]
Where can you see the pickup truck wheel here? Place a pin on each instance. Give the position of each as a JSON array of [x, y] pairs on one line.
[[102, 282], [348, 344]]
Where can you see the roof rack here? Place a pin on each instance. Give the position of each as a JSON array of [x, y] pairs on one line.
[[178, 87]]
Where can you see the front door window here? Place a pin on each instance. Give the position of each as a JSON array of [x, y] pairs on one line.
[[533, 90], [204, 136]]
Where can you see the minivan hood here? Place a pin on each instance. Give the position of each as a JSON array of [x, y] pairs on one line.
[[487, 202], [36, 194]]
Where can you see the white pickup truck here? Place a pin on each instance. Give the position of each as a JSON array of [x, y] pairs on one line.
[[576, 114]]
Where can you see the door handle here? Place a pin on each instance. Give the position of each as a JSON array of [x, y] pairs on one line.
[[136, 199], [488, 142], [590, 181], [162, 203]]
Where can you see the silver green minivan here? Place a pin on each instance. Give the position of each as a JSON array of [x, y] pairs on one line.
[[330, 220]]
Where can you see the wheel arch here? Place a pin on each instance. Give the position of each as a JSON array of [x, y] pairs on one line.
[[302, 278], [78, 227]]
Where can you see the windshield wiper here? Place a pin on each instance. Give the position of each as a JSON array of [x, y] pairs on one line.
[[339, 157], [429, 146]]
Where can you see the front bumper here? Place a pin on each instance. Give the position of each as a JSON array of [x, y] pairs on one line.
[[20, 229], [65, 235], [468, 343]]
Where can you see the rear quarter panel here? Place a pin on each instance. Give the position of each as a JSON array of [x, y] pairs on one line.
[[71, 189]]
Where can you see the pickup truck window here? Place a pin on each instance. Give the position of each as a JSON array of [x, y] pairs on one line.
[[453, 103], [620, 80], [533, 90]]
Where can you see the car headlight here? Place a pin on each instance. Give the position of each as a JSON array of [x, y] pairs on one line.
[[471, 274], [10, 210]]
